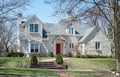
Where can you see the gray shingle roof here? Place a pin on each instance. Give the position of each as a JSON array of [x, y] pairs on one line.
[[90, 33], [60, 28]]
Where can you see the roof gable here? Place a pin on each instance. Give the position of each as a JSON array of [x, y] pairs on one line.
[[90, 33], [32, 19]]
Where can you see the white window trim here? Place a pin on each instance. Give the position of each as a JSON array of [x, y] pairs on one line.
[[71, 31], [34, 48], [95, 45], [34, 24], [71, 45]]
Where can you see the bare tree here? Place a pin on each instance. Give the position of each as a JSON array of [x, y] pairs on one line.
[[99, 12], [8, 13], [10, 8], [8, 35]]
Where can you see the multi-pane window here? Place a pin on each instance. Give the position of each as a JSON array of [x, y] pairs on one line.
[[71, 45], [33, 27], [34, 47], [97, 45], [70, 30]]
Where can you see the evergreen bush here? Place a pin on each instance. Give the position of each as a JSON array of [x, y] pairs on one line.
[[95, 56], [51, 54], [59, 59], [33, 60]]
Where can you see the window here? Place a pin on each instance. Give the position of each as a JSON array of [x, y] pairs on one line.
[[34, 47], [97, 45], [71, 45], [70, 30], [33, 27]]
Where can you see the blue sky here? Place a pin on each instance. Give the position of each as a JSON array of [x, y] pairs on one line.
[[43, 11]]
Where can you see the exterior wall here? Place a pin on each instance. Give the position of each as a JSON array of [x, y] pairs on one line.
[[24, 46], [49, 46], [34, 35], [105, 45], [30, 37]]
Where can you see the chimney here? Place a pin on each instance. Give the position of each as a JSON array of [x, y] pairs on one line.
[[69, 15], [19, 17], [18, 31]]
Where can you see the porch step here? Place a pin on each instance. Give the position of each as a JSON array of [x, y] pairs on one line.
[[47, 65]]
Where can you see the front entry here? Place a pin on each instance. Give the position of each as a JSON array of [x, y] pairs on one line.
[[58, 47]]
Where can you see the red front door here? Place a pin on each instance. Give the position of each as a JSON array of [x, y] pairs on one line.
[[57, 48]]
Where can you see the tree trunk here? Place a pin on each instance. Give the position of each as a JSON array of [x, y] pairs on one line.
[[114, 10], [7, 49], [117, 66], [117, 48]]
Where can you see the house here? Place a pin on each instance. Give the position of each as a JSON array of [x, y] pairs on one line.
[[40, 38]]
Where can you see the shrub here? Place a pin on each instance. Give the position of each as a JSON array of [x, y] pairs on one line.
[[69, 54], [20, 54], [59, 59], [95, 56], [51, 54], [33, 60], [14, 54], [78, 55]]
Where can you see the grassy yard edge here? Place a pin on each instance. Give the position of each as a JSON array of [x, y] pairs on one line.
[[27, 72]]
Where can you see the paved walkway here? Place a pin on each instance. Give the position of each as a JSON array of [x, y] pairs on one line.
[[47, 60], [61, 74]]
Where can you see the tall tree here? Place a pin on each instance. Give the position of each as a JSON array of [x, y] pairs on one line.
[[8, 36], [10, 8], [8, 13], [99, 13]]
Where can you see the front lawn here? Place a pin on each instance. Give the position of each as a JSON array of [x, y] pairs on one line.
[[87, 74], [99, 64], [28, 72], [18, 62], [9, 64]]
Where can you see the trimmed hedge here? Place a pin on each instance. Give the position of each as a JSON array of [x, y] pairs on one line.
[[51, 54], [59, 59], [14, 54], [92, 56], [33, 60]]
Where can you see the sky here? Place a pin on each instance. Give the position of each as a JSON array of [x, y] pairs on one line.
[[43, 11]]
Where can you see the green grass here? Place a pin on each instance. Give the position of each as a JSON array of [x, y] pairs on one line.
[[28, 72], [100, 64], [87, 74], [17, 62]]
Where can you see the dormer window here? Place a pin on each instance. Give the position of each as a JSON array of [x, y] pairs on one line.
[[70, 30], [33, 27]]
